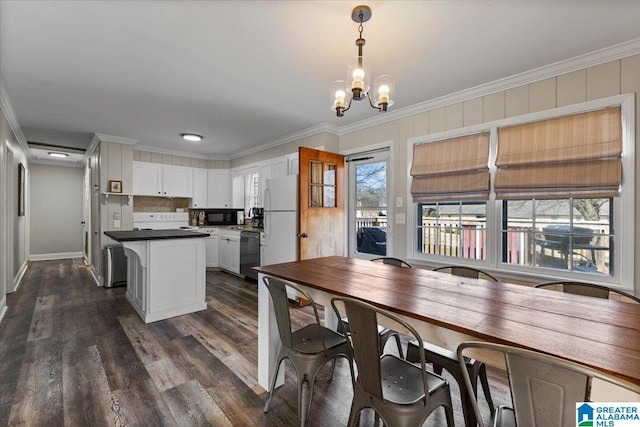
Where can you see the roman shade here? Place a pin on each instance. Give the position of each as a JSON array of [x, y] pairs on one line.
[[451, 169], [571, 156]]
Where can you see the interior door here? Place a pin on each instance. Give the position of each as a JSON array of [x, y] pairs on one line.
[[321, 203]]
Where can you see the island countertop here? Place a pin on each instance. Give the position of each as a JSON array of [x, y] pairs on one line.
[[137, 235]]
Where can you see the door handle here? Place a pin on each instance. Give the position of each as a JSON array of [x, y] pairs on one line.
[[303, 235]]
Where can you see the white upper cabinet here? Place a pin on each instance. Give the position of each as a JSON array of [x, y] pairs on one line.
[[177, 181], [237, 196], [147, 179], [280, 167], [218, 188], [154, 179], [199, 188]]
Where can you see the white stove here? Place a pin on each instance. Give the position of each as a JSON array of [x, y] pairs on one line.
[[160, 220]]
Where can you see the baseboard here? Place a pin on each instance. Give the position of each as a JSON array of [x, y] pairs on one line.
[[95, 276], [18, 278], [3, 307], [59, 255]]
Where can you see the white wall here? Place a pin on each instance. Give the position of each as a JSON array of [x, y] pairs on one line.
[[56, 211]]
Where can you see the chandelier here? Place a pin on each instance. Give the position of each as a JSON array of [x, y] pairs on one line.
[[356, 86]]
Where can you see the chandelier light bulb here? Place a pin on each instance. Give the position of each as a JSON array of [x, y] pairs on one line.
[[358, 74], [339, 98], [384, 94]]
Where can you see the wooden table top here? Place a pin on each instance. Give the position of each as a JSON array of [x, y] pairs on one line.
[[600, 333]]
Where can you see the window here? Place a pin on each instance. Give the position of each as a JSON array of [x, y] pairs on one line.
[[560, 181], [251, 191], [565, 234], [454, 229], [368, 177]]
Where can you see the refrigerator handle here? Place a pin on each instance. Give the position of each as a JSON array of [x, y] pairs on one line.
[[267, 223]]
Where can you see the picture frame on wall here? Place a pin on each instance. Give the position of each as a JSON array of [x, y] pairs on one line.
[[21, 189], [115, 186]]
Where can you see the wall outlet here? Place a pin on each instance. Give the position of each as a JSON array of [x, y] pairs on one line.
[[116, 220], [400, 218]]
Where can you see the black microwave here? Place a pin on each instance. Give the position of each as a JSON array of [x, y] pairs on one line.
[[221, 216]]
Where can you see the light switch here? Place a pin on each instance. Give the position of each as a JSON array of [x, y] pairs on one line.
[[400, 219], [399, 202], [116, 220]]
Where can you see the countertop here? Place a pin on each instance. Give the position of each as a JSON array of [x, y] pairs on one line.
[[234, 227], [129, 236]]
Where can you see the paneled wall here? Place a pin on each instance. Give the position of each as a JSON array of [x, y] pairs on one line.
[[324, 139], [612, 78], [168, 159], [13, 228]]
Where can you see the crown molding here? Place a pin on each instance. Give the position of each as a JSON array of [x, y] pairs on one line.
[[601, 56], [323, 127], [10, 115], [67, 164], [118, 139], [182, 153]]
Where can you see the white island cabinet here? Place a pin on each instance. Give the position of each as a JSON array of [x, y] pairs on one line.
[[166, 271]]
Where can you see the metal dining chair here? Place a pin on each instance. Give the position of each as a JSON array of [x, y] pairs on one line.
[[589, 289], [544, 389], [385, 333], [308, 348], [443, 358], [392, 261], [400, 393]]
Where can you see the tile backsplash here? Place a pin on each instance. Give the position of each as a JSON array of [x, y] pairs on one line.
[[159, 204]]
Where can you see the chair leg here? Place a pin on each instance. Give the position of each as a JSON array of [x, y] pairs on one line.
[[485, 388], [303, 403], [333, 367], [437, 369], [397, 337], [273, 386], [448, 413]]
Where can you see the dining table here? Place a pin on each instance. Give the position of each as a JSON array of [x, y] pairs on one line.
[[447, 310]]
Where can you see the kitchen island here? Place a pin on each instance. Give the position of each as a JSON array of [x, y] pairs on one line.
[[166, 271]]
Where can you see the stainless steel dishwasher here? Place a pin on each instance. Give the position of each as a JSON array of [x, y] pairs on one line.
[[249, 253]]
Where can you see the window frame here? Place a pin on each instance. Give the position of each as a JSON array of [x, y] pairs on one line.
[[622, 276]]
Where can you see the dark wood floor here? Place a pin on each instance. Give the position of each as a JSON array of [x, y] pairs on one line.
[[74, 354]]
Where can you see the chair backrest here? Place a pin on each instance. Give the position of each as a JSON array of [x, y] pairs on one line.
[[544, 389], [363, 323], [474, 273], [589, 289], [392, 261], [278, 291]]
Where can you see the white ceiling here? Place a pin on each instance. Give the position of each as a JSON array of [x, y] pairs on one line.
[[248, 73]]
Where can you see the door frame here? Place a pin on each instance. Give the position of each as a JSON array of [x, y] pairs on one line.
[[350, 197]]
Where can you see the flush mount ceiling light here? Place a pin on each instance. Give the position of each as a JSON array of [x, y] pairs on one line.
[[58, 155], [356, 87], [191, 137]]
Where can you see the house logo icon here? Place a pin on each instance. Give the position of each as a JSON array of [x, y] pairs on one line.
[[584, 415]]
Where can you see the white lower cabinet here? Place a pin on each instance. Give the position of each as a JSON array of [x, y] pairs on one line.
[[229, 250], [211, 245]]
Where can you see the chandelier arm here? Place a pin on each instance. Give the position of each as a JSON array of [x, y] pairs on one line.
[[348, 106], [371, 103]]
